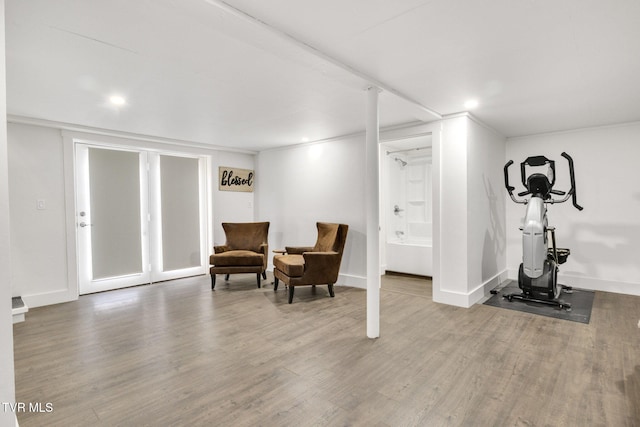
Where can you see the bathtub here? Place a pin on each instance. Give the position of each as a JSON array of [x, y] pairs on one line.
[[411, 257]]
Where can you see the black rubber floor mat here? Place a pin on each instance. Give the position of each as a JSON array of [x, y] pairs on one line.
[[581, 302]]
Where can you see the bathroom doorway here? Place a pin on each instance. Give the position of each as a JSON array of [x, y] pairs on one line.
[[406, 206]]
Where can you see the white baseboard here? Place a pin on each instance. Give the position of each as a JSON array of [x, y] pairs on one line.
[[17, 318], [351, 280], [483, 292], [49, 298], [474, 296], [18, 312], [592, 283]]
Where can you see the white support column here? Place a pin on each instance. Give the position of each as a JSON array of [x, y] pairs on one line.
[[7, 382], [372, 197]]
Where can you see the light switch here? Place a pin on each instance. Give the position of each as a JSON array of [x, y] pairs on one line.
[[41, 204]]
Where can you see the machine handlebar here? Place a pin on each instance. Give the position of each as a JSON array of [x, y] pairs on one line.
[[534, 162], [509, 187], [572, 191], [506, 177]]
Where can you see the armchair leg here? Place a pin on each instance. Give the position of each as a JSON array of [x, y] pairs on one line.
[[275, 284], [264, 275], [213, 281], [290, 293], [331, 290], [258, 276], [226, 277]]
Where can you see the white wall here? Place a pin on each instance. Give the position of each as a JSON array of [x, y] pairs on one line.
[[301, 185], [486, 252], [450, 284], [604, 237], [43, 241], [7, 383], [230, 206], [469, 240], [38, 237]]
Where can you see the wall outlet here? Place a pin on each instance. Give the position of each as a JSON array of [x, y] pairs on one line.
[[41, 204]]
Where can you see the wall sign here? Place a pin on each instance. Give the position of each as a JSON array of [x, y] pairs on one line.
[[234, 179]]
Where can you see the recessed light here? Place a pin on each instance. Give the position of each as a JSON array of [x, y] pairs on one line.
[[470, 104], [117, 100], [305, 139]]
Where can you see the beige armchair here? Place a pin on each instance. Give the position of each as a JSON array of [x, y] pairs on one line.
[[317, 265], [244, 252]]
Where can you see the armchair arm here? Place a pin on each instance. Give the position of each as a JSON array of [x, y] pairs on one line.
[[264, 249], [321, 267], [220, 249], [298, 250]]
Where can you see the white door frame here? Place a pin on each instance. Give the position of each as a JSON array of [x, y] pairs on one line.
[[435, 129], [151, 224], [156, 258], [86, 282]]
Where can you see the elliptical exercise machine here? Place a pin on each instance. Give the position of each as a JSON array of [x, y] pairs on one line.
[[538, 273]]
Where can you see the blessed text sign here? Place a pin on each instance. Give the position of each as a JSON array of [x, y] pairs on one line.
[[234, 179]]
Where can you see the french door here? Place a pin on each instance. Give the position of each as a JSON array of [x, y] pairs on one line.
[[140, 216]]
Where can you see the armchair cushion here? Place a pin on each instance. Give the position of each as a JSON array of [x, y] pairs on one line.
[[236, 258], [291, 265]]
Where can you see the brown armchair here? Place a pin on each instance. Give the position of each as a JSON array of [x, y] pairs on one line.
[[317, 265], [244, 252]]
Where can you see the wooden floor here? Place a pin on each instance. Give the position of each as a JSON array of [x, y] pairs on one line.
[[177, 353]]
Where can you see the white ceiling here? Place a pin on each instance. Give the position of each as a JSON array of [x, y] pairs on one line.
[[195, 71]]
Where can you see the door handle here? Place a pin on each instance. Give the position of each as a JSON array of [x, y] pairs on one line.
[[84, 224]]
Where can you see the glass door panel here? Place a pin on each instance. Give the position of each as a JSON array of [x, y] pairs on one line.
[[180, 231], [112, 231]]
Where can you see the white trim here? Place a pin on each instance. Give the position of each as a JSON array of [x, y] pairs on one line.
[[70, 127], [570, 131], [18, 313], [49, 298], [474, 296], [474, 119], [591, 283], [210, 205], [483, 292], [458, 299], [354, 281], [69, 169], [402, 138], [436, 207]]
